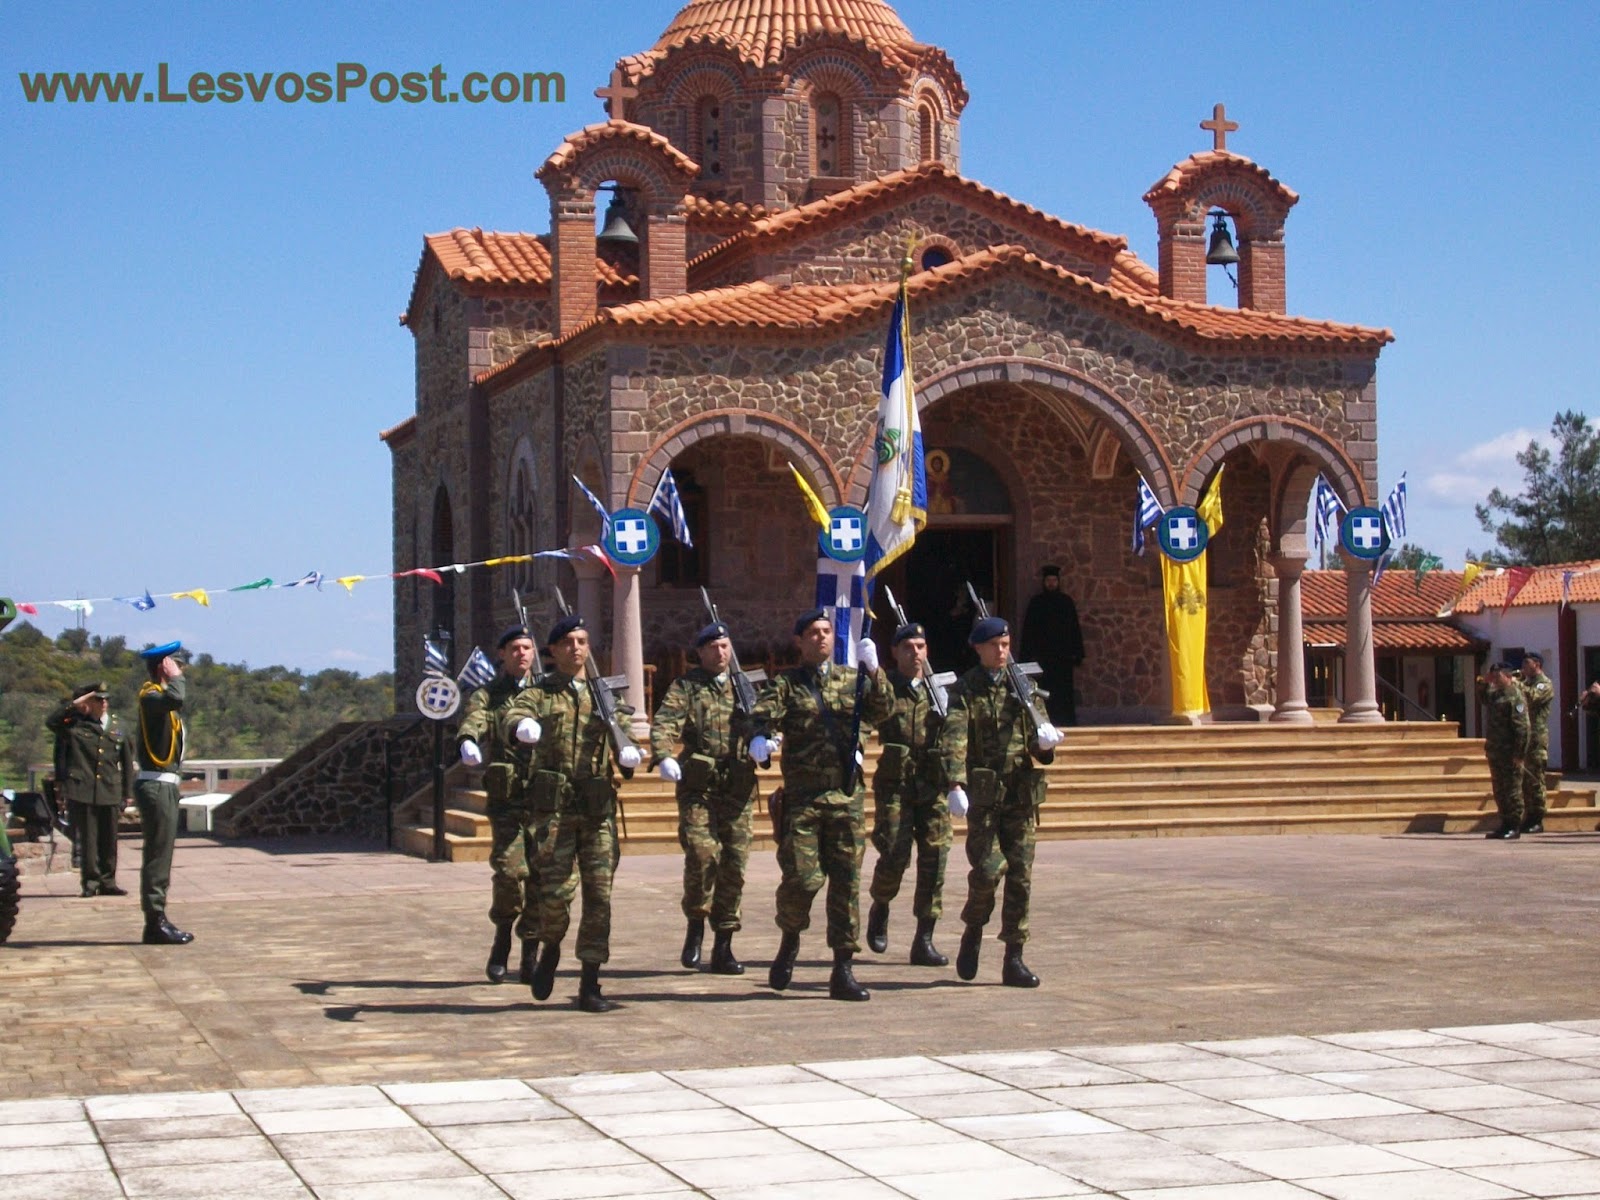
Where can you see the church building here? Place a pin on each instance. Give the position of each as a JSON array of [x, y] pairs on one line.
[[764, 168]]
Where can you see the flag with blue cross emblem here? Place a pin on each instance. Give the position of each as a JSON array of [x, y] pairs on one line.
[[842, 591], [669, 505], [1185, 591]]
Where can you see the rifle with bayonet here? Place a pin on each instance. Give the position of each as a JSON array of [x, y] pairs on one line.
[[744, 682], [602, 693], [1017, 673], [935, 683], [534, 673]]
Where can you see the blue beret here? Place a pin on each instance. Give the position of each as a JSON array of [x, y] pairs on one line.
[[811, 617], [157, 653], [511, 633], [987, 630], [563, 627], [911, 629], [710, 633]]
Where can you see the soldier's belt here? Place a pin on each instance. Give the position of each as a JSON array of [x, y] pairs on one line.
[[159, 777]]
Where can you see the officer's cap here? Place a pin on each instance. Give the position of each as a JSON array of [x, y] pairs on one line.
[[563, 627], [90, 689], [987, 630], [1049, 570], [809, 618], [511, 633], [710, 633], [157, 653], [911, 629]]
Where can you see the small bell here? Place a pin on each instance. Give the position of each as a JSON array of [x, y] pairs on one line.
[[1220, 253], [617, 228]]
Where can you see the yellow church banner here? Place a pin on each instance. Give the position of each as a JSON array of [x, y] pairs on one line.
[[1184, 591]]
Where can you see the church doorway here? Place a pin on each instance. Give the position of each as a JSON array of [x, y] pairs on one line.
[[931, 584]]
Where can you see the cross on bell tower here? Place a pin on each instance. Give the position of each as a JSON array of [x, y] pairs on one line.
[[1220, 127], [616, 94]]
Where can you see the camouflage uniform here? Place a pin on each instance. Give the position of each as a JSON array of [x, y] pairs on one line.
[[1540, 694], [987, 747], [908, 794], [572, 789], [824, 798], [715, 795], [1505, 740], [510, 815]]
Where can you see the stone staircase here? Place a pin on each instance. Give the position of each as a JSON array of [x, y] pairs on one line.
[[1157, 781]]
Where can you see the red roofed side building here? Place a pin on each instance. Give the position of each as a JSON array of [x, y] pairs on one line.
[[777, 161]]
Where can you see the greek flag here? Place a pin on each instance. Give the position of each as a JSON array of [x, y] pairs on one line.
[[478, 672], [669, 505], [897, 494], [605, 517], [1394, 510], [1146, 513], [309, 579], [434, 660], [842, 591], [1329, 511]]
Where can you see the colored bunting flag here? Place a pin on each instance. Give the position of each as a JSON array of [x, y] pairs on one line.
[[309, 579], [669, 505], [1428, 562], [350, 581], [1516, 579], [251, 587], [82, 607], [478, 672], [605, 517], [425, 573], [141, 603], [897, 494], [198, 595]]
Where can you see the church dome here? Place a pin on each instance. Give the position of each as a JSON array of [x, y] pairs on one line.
[[761, 31]]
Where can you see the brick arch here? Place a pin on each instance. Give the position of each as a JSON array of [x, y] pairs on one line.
[[1259, 213], [800, 447], [829, 71], [706, 75], [1140, 442]]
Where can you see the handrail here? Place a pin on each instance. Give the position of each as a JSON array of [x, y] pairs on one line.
[[1407, 700]]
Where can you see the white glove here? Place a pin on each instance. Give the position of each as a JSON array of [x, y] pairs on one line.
[[957, 799], [470, 754], [1049, 738], [867, 654], [629, 757], [760, 749], [670, 770], [528, 731]]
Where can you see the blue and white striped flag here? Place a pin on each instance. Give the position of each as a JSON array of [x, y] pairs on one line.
[[669, 505], [605, 517], [434, 660], [842, 590], [897, 494], [478, 672], [309, 579], [1329, 510], [1394, 510], [1145, 514]]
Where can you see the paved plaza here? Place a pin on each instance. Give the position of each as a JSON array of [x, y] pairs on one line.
[[1258, 1018]]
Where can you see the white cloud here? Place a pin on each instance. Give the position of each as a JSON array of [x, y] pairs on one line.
[[1471, 475]]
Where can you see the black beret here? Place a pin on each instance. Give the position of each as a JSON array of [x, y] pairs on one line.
[[710, 633], [987, 630], [511, 633], [911, 629], [1500, 667], [1534, 656], [563, 627], [90, 689], [810, 617], [1052, 569]]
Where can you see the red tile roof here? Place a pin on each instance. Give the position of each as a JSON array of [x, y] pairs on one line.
[[614, 131], [762, 30], [1323, 595], [1397, 636], [1488, 591], [1172, 184], [519, 261]]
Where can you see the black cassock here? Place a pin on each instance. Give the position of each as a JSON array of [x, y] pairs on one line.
[[1051, 637]]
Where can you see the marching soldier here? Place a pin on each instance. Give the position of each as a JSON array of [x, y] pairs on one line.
[[94, 774], [512, 909], [572, 790], [909, 796], [1505, 745], [991, 754], [159, 749], [716, 792], [1540, 694], [814, 708]]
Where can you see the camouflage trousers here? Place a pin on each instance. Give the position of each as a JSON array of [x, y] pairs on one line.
[[714, 831], [1000, 841], [1507, 789], [1533, 802], [515, 896], [822, 843], [573, 849], [906, 816]]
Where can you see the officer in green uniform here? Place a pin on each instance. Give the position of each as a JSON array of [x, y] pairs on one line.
[[990, 752], [909, 800], [159, 750], [510, 818], [716, 787], [814, 707], [1540, 694], [1505, 744], [95, 774], [572, 788]]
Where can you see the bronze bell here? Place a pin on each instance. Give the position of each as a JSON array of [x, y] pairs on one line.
[[617, 228], [1220, 253]]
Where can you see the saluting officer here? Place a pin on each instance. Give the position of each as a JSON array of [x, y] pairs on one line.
[[511, 908], [159, 749], [1505, 745], [813, 707], [95, 774], [909, 797], [990, 755], [716, 792], [573, 791], [1540, 694]]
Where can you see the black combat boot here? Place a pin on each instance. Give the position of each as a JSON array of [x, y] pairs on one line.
[[589, 997], [878, 927], [158, 931], [967, 956], [923, 951], [1507, 832], [722, 960], [1015, 972], [843, 985], [690, 958], [544, 975], [499, 953], [530, 955], [783, 965]]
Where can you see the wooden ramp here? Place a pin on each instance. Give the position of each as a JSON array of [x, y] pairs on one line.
[[1157, 781]]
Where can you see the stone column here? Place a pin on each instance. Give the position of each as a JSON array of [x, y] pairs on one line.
[[1360, 668], [627, 643], [1291, 681]]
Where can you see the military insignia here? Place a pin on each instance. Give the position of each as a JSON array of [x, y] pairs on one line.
[[845, 538], [888, 446], [438, 697], [1182, 533], [1362, 534], [633, 538]]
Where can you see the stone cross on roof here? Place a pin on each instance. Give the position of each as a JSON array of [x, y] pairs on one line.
[[1219, 125], [617, 93]]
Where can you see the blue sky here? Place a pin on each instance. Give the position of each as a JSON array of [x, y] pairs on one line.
[[200, 342]]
